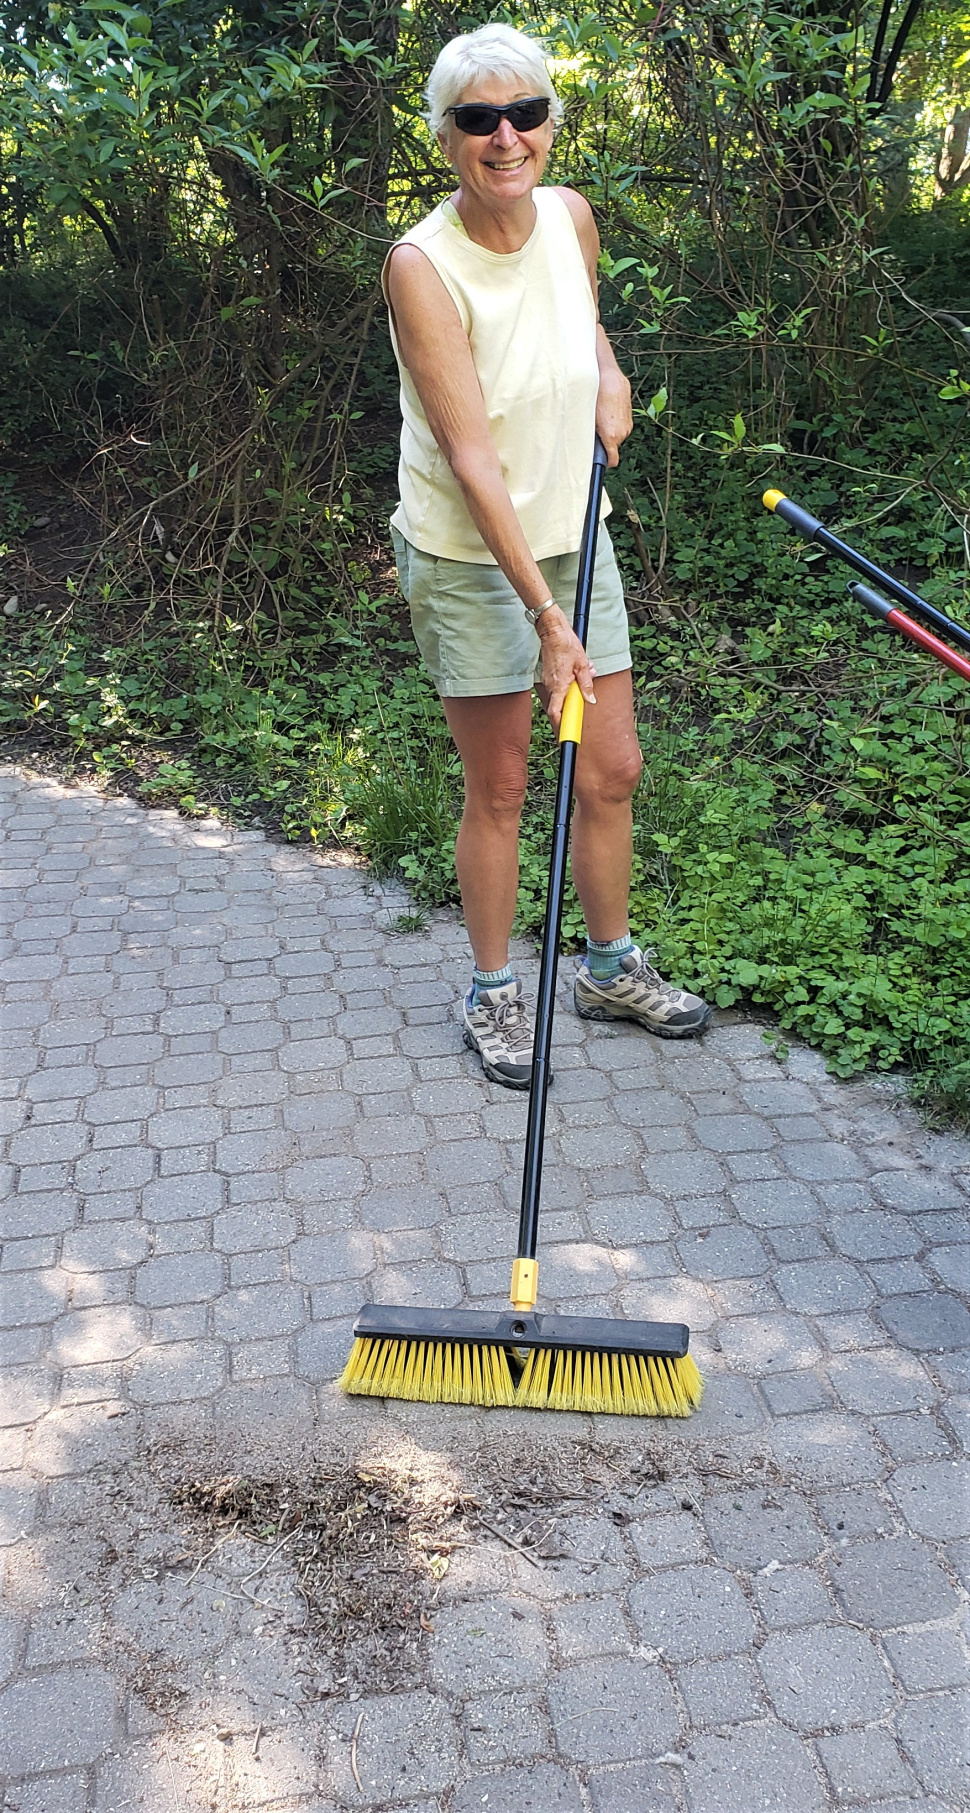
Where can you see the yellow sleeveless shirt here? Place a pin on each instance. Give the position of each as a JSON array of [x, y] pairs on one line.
[[531, 323]]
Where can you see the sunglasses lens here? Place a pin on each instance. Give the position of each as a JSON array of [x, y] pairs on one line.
[[478, 122], [525, 116]]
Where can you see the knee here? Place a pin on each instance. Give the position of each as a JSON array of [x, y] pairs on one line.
[[499, 793], [612, 782]]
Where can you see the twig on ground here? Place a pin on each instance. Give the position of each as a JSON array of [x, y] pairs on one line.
[[353, 1753], [495, 1531], [171, 1770], [260, 1605], [210, 1552], [264, 1564]]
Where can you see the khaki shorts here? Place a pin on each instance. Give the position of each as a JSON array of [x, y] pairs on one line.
[[472, 631]]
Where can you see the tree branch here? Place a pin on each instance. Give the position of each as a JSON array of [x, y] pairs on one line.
[[877, 49], [899, 44], [111, 238]]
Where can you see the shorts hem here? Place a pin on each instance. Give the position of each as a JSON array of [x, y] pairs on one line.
[[612, 664], [493, 689], [501, 688]]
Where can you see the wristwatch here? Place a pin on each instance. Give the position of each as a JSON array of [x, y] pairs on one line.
[[534, 616]]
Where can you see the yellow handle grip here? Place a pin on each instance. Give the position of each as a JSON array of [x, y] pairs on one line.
[[525, 1283], [571, 722], [772, 499]]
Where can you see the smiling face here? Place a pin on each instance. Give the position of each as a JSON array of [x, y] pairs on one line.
[[505, 168]]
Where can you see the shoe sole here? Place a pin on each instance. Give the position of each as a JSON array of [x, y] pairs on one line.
[[496, 1076], [659, 1031]]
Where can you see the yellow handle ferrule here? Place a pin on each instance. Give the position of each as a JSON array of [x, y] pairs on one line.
[[772, 499], [571, 722], [525, 1283]]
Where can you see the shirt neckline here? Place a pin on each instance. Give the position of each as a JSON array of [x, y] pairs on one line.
[[454, 220]]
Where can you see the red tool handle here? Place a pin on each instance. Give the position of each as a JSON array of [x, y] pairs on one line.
[[880, 607], [932, 644]]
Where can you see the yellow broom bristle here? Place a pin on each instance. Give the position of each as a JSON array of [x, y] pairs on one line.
[[458, 1372]]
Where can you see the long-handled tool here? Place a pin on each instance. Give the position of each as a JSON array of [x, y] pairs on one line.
[[809, 526], [522, 1357]]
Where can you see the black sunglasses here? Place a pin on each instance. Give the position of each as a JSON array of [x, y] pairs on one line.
[[479, 120]]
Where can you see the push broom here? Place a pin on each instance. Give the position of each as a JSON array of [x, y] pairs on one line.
[[877, 606], [521, 1357]]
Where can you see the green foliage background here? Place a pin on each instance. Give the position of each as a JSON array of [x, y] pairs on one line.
[[195, 202]]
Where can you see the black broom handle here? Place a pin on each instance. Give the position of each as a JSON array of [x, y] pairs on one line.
[[549, 965], [809, 525]]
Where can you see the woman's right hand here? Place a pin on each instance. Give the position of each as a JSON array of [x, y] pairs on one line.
[[563, 661]]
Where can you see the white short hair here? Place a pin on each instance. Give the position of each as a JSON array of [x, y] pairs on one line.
[[493, 50]]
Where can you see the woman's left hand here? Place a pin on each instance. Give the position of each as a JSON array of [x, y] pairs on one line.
[[564, 660], [614, 409]]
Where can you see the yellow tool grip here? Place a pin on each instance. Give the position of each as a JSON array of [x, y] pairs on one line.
[[772, 499], [525, 1283], [571, 722]]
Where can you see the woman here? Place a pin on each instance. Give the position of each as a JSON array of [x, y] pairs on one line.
[[505, 374]]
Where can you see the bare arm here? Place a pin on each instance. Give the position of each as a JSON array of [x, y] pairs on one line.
[[614, 411], [435, 349]]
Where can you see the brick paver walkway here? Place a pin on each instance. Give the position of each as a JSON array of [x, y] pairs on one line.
[[236, 1104]]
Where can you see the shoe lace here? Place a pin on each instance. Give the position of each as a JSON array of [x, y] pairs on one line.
[[513, 1023], [645, 971]]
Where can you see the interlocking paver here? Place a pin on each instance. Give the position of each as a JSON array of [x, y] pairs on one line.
[[864, 1763], [411, 1747], [934, 1498], [875, 1235], [78, 1438], [791, 1597], [31, 1297], [768, 1342], [752, 1769], [752, 1528], [913, 1192], [890, 1583], [927, 1659], [722, 1693], [184, 1198], [935, 1734], [827, 1449], [825, 1677], [927, 1321], [611, 1711], [773, 1203], [55, 1719], [881, 1381], [28, 1392], [819, 1287], [692, 1612], [180, 1278], [728, 1252], [234, 1105]]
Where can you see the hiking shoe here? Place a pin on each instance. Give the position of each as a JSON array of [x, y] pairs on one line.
[[499, 1028], [639, 993]]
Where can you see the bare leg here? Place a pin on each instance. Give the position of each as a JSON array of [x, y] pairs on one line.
[[492, 738], [607, 772]]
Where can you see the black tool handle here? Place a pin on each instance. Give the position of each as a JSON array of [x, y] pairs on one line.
[[549, 965], [809, 525]]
